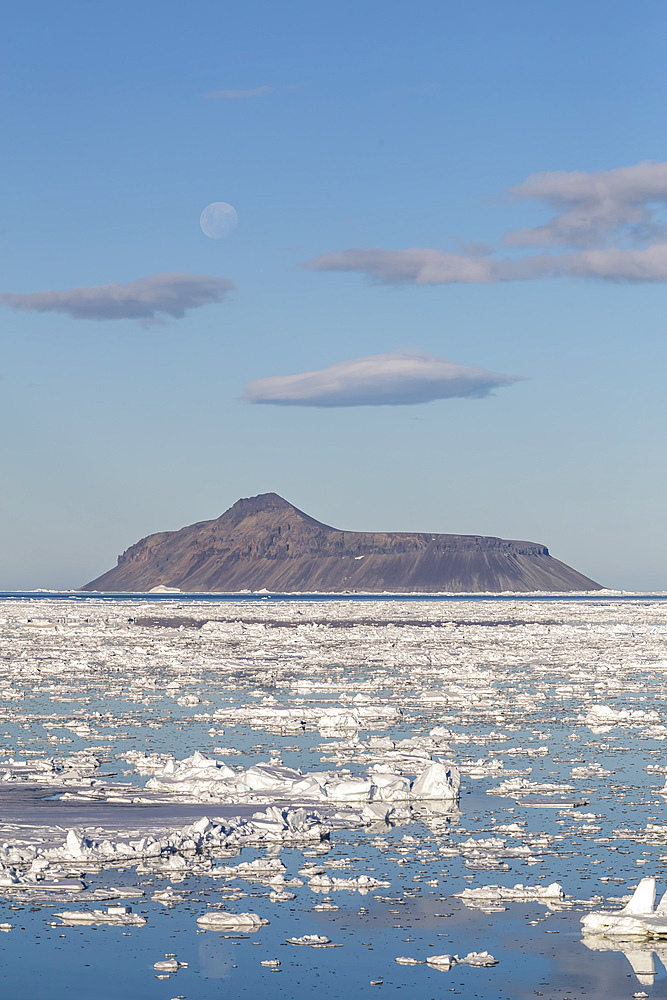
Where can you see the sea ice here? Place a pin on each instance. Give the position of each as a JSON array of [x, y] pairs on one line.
[[442, 961], [314, 940], [637, 919], [169, 965], [523, 893], [122, 915], [363, 883], [397, 693], [219, 920], [478, 959]]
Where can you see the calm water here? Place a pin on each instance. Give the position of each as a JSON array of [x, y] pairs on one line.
[[592, 599]]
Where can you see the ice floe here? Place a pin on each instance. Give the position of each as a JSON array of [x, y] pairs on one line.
[[362, 883], [477, 959], [639, 918], [518, 893], [121, 915], [310, 940], [169, 965], [218, 920]]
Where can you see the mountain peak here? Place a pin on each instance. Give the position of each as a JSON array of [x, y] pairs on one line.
[[254, 505], [267, 504]]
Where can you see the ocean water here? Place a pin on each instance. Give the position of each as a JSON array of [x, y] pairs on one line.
[[184, 598], [552, 708]]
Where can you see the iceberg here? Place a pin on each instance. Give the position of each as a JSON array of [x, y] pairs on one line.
[[637, 919]]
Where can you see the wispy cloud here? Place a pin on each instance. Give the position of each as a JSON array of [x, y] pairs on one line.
[[595, 208], [607, 227], [423, 266], [236, 95], [415, 265], [398, 378], [147, 299]]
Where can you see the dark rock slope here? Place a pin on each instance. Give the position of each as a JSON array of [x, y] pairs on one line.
[[266, 543]]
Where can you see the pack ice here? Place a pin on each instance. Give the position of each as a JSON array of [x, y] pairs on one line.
[[331, 737], [203, 778]]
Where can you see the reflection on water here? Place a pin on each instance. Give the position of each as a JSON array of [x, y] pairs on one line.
[[640, 954], [215, 957]]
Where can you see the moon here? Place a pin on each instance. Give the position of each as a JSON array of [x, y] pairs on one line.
[[218, 219]]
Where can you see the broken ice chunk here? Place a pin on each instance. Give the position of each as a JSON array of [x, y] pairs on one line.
[[478, 959], [310, 939], [122, 915], [441, 961], [522, 893], [221, 921], [436, 781], [169, 965], [637, 919]]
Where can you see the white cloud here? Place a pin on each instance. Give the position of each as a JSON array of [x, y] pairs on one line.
[[379, 380], [594, 207], [424, 266], [415, 265], [615, 264], [606, 227], [146, 299]]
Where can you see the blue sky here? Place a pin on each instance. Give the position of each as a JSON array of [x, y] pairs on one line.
[[376, 127]]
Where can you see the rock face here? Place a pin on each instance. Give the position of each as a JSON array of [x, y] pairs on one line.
[[264, 543]]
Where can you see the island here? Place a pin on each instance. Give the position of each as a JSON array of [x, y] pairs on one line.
[[265, 543]]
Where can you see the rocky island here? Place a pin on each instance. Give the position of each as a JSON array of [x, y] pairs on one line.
[[265, 543]]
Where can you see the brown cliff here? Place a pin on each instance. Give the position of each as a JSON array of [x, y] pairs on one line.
[[264, 543]]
